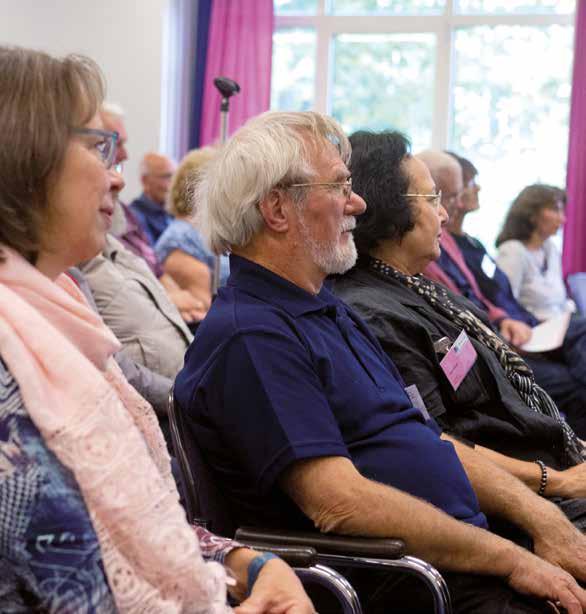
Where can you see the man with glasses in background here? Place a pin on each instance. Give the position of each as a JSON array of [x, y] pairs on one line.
[[156, 172], [146, 310]]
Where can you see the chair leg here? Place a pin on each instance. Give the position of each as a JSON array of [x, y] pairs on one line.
[[335, 583]]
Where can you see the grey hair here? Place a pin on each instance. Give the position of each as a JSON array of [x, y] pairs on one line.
[[439, 164], [269, 151]]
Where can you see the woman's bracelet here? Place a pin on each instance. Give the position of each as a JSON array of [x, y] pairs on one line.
[[254, 567], [543, 481]]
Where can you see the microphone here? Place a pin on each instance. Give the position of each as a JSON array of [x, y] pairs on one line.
[[227, 87]]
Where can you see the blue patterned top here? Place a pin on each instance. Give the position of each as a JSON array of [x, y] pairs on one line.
[[181, 235], [50, 556]]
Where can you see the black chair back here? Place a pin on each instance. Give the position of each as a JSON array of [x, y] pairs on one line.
[[204, 502]]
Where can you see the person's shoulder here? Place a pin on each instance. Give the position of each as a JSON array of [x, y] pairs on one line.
[[363, 289], [238, 311], [512, 247], [137, 202], [466, 239], [512, 244]]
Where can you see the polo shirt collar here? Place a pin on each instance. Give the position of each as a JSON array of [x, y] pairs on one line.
[[258, 281], [151, 205]]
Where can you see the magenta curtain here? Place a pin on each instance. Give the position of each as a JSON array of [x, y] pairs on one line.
[[240, 47], [574, 256]]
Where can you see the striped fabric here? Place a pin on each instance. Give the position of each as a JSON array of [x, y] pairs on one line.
[[516, 369]]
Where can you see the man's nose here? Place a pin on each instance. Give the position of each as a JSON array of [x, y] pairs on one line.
[[356, 205]]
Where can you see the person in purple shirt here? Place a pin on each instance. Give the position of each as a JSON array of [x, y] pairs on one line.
[[306, 421]]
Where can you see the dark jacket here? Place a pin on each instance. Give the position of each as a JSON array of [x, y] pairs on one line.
[[485, 409]]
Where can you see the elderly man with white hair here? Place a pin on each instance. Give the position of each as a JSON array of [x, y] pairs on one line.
[[304, 419]]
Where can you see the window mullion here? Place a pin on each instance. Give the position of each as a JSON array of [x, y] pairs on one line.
[[443, 79], [323, 68]]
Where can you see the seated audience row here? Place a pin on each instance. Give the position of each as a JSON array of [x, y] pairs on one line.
[[425, 425], [306, 420], [91, 520], [465, 267]]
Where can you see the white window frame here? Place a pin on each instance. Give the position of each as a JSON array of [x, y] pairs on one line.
[[443, 26]]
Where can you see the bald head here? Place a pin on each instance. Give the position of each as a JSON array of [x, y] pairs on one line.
[[156, 172], [447, 175]]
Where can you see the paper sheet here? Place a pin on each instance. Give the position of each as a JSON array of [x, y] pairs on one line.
[[548, 335]]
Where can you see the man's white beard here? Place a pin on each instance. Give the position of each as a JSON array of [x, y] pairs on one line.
[[333, 258]]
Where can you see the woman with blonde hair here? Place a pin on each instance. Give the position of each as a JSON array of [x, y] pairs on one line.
[[181, 249], [91, 520]]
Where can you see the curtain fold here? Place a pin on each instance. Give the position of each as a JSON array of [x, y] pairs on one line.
[[204, 11], [240, 45], [574, 253]]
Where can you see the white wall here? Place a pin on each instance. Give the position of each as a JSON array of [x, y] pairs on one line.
[[125, 37]]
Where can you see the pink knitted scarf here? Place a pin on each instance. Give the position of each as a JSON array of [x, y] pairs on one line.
[[60, 353]]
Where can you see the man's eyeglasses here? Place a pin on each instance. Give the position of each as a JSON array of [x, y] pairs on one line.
[[344, 186], [106, 146], [433, 199]]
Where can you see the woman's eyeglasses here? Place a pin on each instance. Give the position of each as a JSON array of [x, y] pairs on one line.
[[105, 146], [433, 199]]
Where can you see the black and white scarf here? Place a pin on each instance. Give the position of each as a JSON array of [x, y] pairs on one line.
[[516, 369]]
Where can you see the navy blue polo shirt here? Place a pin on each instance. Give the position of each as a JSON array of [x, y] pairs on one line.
[[492, 281], [276, 374]]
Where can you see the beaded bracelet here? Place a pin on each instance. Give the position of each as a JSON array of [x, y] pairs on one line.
[[543, 482], [256, 565]]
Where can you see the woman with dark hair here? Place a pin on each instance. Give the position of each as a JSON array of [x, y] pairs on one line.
[[455, 367], [90, 516], [528, 255]]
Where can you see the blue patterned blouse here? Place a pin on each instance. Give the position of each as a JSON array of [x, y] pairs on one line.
[[50, 557]]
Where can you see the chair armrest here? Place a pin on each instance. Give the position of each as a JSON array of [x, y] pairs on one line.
[[325, 544], [296, 556]]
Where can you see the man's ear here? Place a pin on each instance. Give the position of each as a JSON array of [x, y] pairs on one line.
[[275, 209]]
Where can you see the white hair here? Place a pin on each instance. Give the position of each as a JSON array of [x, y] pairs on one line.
[[113, 108], [269, 151], [439, 164]]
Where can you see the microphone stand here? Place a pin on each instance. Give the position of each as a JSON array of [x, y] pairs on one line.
[[227, 88]]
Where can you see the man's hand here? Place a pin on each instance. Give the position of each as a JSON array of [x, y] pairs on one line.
[[533, 576], [515, 332], [277, 590], [563, 545]]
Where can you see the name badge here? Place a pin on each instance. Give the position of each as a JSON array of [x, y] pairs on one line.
[[416, 400], [488, 266], [459, 360]]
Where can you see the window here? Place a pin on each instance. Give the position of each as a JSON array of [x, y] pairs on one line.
[[488, 79]]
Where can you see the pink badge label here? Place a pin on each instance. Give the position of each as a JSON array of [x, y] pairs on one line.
[[459, 360]]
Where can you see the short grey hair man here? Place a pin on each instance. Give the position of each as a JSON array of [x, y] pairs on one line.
[[271, 150]]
